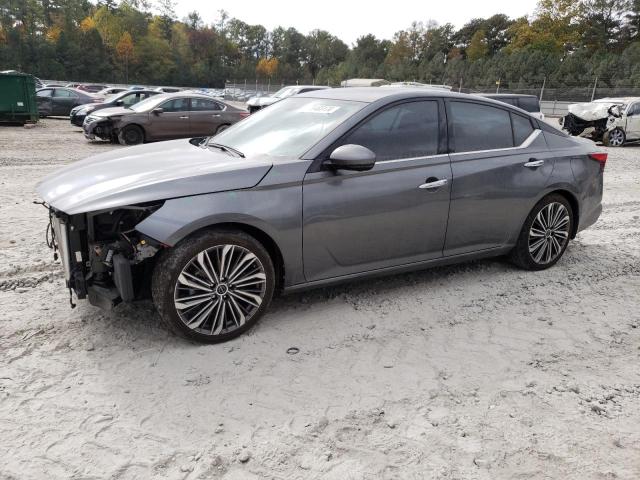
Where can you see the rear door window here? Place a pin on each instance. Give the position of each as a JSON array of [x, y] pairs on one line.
[[60, 93], [479, 127], [522, 128], [204, 105], [403, 131], [45, 93]]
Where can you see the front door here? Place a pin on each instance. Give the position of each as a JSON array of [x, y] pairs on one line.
[[392, 215], [500, 164], [173, 122], [633, 121]]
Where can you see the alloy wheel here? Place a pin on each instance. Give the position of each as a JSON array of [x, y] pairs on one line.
[[549, 233], [616, 138], [220, 289]]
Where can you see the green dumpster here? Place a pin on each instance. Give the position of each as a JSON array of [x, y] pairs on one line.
[[18, 98]]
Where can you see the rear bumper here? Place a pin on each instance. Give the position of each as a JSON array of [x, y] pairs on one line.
[[77, 120]]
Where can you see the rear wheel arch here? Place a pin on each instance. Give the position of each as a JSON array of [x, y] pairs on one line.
[[575, 207]]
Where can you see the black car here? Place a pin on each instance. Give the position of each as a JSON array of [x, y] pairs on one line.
[[528, 103], [122, 99], [61, 100]]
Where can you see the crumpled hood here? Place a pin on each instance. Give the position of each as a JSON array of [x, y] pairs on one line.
[[115, 111], [261, 101], [591, 111], [146, 173]]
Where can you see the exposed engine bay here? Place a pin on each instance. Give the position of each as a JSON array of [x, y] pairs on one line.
[[593, 119], [104, 257]]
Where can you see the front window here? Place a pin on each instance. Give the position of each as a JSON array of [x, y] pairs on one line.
[[288, 128], [284, 92]]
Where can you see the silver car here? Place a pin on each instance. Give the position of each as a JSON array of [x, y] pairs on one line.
[[256, 103], [325, 187]]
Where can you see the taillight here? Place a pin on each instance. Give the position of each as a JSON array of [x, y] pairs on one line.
[[244, 114], [599, 157]]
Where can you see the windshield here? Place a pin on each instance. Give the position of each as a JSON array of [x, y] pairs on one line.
[[148, 103], [287, 128]]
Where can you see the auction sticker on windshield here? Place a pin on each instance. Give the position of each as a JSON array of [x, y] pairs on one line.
[[319, 108]]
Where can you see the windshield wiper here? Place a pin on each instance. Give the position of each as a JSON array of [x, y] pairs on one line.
[[226, 148]]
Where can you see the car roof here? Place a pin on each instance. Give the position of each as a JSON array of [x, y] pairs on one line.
[[506, 95], [616, 99], [373, 94]]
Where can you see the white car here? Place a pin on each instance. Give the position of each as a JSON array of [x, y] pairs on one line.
[[256, 103], [614, 121]]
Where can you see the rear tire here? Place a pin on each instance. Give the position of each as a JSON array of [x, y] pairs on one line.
[[214, 286], [545, 234], [131, 135], [614, 138]]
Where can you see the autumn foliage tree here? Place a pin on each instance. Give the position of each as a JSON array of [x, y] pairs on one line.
[[124, 50]]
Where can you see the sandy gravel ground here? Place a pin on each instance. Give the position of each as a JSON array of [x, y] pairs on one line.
[[477, 371]]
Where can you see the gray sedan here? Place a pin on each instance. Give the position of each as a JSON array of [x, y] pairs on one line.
[[329, 186]]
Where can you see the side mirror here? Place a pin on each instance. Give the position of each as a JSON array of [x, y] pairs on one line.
[[119, 103], [157, 111], [352, 157]]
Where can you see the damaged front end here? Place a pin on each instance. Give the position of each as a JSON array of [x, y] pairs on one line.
[[101, 127], [103, 256], [592, 120]]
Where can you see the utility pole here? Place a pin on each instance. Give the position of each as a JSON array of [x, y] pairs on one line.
[[593, 93], [544, 81], [460, 88], [498, 86]]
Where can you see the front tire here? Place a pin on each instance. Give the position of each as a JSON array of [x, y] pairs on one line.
[[614, 138], [214, 286], [131, 135], [545, 234]]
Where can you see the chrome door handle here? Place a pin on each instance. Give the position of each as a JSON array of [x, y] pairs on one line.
[[434, 184], [215, 115], [534, 163], [183, 117]]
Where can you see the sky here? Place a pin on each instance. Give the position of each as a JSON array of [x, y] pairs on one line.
[[350, 19]]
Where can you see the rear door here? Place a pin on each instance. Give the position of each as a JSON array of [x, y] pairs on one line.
[[393, 214], [63, 101], [173, 122], [500, 164], [206, 116]]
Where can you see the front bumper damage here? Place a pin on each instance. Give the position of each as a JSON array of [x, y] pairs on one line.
[[592, 120], [100, 263], [101, 128]]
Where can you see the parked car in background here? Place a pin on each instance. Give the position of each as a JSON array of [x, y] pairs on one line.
[[256, 103], [163, 117], [612, 121], [72, 85], [61, 100], [91, 88], [528, 103], [319, 188], [168, 89], [110, 91], [125, 99]]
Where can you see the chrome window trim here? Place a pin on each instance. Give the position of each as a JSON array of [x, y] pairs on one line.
[[526, 144], [412, 158]]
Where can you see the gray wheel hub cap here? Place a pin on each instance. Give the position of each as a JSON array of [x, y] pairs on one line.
[[220, 289], [616, 137], [549, 233]]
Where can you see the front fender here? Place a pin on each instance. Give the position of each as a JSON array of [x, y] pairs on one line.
[[276, 210]]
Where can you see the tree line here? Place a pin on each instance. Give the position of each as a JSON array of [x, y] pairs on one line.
[[564, 43]]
